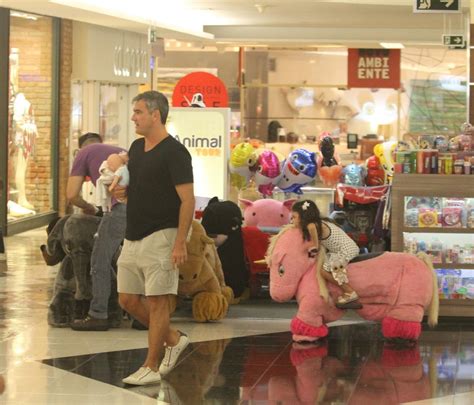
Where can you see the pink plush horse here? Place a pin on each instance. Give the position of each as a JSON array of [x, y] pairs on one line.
[[394, 288]]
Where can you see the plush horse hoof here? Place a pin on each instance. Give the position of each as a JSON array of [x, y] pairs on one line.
[[302, 352], [350, 305], [304, 339], [400, 343], [305, 345]]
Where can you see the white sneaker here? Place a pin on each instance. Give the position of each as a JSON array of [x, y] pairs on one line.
[[172, 354], [143, 376]]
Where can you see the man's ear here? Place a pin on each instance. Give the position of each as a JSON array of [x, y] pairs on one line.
[[156, 115]]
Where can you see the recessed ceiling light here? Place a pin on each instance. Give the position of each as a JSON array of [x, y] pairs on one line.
[[392, 45], [23, 15]]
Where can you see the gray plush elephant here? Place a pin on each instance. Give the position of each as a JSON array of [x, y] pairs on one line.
[[70, 242]]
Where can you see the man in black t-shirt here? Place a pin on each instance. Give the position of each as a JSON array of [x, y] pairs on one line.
[[160, 209]]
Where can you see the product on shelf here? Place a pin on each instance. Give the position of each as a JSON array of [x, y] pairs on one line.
[[427, 217], [470, 218], [455, 284], [451, 217]]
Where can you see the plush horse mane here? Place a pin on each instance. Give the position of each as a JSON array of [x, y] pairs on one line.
[[433, 310], [273, 241], [323, 289]]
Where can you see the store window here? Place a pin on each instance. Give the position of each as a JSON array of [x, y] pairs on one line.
[[76, 118], [30, 184], [109, 114]]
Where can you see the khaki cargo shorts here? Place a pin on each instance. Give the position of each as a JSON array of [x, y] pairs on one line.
[[145, 266]]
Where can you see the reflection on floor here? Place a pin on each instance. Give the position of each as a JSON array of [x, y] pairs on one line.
[[354, 365], [247, 358]]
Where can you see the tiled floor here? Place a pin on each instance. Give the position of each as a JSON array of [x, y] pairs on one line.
[[243, 359]]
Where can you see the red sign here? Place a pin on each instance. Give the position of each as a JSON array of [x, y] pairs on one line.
[[200, 89], [374, 68], [359, 194]]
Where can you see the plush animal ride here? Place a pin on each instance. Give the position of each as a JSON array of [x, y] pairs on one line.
[[222, 221], [260, 218], [394, 288], [387, 375], [266, 212], [70, 242], [201, 278]]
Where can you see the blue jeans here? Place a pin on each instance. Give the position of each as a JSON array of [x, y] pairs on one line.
[[110, 235]]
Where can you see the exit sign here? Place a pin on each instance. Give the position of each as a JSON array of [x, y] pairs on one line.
[[456, 41], [436, 6]]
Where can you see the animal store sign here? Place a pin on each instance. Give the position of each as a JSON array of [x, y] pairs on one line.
[[374, 68], [205, 133]]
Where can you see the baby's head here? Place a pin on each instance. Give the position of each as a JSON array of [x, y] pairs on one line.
[[115, 160]]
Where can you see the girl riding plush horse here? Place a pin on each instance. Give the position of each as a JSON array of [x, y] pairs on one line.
[[340, 248], [394, 288]]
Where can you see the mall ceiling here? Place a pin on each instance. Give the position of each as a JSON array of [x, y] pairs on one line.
[[276, 23]]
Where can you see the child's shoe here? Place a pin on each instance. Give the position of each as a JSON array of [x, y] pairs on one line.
[[348, 301]]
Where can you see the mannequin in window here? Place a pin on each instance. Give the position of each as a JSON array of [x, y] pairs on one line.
[[23, 142]]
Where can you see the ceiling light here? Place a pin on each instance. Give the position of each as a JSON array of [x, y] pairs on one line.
[[261, 7], [392, 45], [23, 15]]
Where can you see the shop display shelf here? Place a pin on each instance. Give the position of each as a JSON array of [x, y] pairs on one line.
[[456, 307], [413, 229], [441, 186], [464, 266]]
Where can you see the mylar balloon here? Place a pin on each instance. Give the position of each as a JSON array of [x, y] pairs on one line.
[[298, 169], [330, 175], [241, 164], [268, 172], [329, 169], [354, 175], [375, 172]]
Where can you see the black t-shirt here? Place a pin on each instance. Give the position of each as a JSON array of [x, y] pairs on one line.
[[153, 203]]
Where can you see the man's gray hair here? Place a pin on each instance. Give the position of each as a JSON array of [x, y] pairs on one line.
[[154, 100]]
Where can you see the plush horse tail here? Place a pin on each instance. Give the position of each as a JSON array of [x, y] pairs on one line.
[[323, 288], [433, 310]]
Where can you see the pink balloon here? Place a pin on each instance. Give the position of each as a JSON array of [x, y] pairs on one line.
[[268, 172]]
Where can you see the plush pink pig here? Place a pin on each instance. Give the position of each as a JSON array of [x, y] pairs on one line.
[[266, 212]]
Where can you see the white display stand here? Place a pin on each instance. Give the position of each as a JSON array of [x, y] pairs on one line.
[[205, 132]]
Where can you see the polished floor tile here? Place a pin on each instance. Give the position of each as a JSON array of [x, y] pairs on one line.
[[248, 358], [354, 365]]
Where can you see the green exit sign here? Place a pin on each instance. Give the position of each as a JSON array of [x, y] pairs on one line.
[[436, 6], [454, 41]]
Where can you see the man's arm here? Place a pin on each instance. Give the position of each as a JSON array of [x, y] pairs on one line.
[[73, 195], [186, 215]]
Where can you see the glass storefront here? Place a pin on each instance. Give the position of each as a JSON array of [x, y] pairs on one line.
[[30, 184], [109, 113]]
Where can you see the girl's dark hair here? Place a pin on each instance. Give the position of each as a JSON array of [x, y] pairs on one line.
[[309, 215]]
